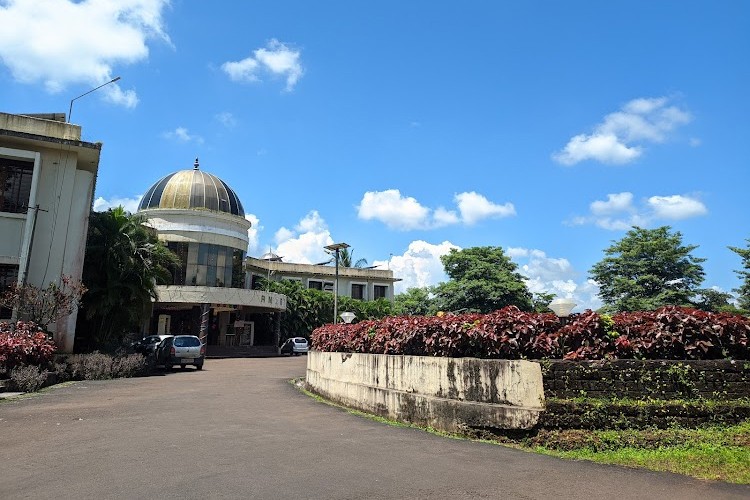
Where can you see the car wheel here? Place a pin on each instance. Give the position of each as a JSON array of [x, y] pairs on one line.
[[198, 367]]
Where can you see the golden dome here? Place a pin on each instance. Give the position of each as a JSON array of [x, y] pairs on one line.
[[194, 188]]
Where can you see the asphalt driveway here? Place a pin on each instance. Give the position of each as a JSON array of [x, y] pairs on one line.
[[238, 429]]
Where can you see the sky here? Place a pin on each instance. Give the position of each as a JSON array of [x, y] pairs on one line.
[[406, 129]]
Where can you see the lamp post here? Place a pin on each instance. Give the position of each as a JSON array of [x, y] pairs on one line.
[[270, 257], [348, 317], [70, 110], [562, 308], [336, 247]]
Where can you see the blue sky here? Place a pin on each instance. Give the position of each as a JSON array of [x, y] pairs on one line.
[[409, 128]]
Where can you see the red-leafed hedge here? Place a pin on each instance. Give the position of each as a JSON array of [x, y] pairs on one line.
[[25, 345], [667, 333]]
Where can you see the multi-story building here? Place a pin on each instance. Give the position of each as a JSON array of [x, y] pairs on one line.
[[201, 219], [354, 282], [47, 177]]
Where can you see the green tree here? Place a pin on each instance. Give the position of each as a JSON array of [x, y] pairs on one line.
[[541, 301], [743, 291], [346, 259], [414, 302], [647, 269], [124, 262], [481, 279], [712, 300]]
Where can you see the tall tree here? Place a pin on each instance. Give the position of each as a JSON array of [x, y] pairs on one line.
[[123, 264], [414, 302], [346, 259], [481, 279], [744, 290], [647, 269]]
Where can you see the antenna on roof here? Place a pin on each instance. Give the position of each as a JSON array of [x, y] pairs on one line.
[[196, 164]]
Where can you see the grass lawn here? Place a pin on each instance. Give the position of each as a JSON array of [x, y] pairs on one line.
[[716, 453]]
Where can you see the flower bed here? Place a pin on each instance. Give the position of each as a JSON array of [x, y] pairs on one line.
[[667, 333], [24, 344]]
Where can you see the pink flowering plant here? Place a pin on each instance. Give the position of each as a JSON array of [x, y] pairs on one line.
[[24, 343]]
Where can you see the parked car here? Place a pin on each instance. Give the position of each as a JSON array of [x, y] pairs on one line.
[[181, 350], [295, 346], [147, 345]]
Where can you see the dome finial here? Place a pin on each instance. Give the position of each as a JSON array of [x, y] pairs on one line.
[[196, 164]]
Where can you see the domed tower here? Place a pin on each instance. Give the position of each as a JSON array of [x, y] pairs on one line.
[[201, 219]]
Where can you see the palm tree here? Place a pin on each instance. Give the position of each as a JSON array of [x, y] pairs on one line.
[[124, 263], [346, 257]]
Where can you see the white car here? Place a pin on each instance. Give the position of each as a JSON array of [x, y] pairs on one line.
[[295, 346], [181, 350]]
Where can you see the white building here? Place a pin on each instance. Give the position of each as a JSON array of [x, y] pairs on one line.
[[47, 177], [201, 219], [354, 282]]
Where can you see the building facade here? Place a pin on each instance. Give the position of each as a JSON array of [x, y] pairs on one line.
[[354, 282], [201, 219], [47, 177]]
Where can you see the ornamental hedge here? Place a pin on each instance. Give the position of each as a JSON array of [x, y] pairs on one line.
[[509, 333], [24, 343]]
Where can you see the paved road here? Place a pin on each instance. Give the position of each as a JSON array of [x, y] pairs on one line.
[[238, 429]]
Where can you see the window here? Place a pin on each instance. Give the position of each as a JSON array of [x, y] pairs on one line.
[[8, 276], [315, 284], [326, 286], [358, 291], [15, 185], [380, 292]]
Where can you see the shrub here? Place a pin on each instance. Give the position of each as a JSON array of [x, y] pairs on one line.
[[28, 378], [128, 366], [667, 333], [24, 343], [100, 366]]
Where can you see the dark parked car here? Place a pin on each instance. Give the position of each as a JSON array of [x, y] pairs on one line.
[[147, 345], [295, 346], [181, 350]]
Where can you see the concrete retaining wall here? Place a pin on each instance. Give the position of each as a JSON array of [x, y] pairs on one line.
[[445, 393]]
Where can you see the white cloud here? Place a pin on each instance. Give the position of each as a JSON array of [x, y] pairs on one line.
[[227, 119], [276, 58], [129, 204], [619, 212], [676, 207], [406, 213], [394, 210], [419, 266], [603, 148], [304, 244], [620, 137], [619, 202], [475, 207], [253, 233], [60, 42], [555, 275], [182, 134]]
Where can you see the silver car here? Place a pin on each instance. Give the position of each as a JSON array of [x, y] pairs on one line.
[[295, 346], [181, 350]]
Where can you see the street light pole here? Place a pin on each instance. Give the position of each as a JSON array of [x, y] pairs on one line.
[[70, 110], [336, 247]]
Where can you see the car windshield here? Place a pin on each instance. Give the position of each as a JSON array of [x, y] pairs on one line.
[[152, 340], [186, 342]]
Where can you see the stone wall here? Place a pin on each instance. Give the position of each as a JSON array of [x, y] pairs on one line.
[[445, 393], [662, 379]]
